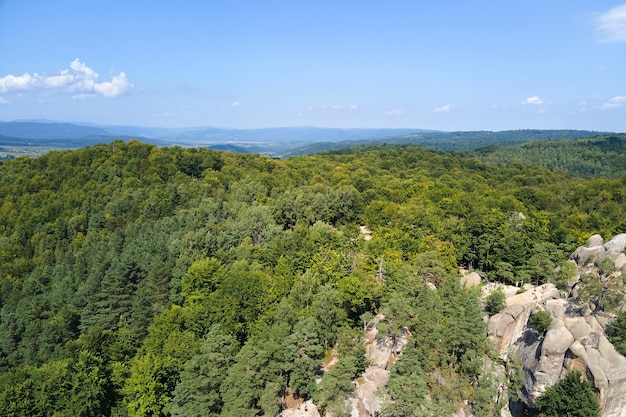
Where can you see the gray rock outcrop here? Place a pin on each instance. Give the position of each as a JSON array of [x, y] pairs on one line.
[[380, 353], [590, 253], [595, 251], [574, 340], [470, 280], [367, 398], [304, 409]]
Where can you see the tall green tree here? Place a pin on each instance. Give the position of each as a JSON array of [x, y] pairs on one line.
[[199, 391], [407, 385], [573, 396], [617, 332], [303, 354]]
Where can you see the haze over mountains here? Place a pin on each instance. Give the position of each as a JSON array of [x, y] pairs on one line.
[[205, 135], [278, 141]]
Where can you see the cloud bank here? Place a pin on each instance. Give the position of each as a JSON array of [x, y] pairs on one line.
[[611, 26], [444, 108], [395, 112], [338, 107], [79, 79], [614, 103], [533, 100]]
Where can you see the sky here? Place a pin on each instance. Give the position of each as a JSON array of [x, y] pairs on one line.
[[448, 65]]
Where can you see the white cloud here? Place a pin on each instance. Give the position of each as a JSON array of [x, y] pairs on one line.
[[394, 112], [116, 87], [79, 79], [21, 82], [614, 103], [235, 104], [444, 108], [611, 25], [55, 81], [4, 100], [339, 107], [81, 68], [533, 100]]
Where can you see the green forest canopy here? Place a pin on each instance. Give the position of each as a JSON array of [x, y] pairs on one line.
[[141, 281], [600, 156]]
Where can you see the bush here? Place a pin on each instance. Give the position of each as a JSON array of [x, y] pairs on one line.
[[606, 267], [540, 321], [496, 301], [617, 333], [570, 397]]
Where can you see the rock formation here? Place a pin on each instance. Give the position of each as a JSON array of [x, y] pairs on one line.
[[380, 353], [365, 400], [595, 251], [575, 339], [470, 280], [303, 409]]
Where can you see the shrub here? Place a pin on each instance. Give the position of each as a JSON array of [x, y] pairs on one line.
[[617, 333], [540, 321], [570, 397], [496, 301]]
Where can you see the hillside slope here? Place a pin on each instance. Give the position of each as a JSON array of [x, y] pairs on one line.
[[137, 280], [600, 156]]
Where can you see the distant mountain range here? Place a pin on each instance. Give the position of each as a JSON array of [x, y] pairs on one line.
[[278, 142], [45, 130]]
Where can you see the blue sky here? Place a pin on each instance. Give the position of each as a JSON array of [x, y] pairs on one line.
[[452, 65]]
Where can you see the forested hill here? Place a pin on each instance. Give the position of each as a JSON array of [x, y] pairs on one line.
[[460, 141], [145, 281], [596, 156], [37, 137]]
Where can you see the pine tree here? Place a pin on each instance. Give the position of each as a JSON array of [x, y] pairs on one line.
[[407, 387], [571, 397], [198, 392], [617, 333]]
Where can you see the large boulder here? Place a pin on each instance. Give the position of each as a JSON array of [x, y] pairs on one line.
[[506, 327], [595, 251], [366, 400], [301, 409], [595, 240], [470, 280], [584, 255], [617, 243], [620, 262], [614, 248], [574, 341], [532, 294]]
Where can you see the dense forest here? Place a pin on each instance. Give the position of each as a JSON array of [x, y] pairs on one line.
[[457, 141], [601, 156], [145, 281]]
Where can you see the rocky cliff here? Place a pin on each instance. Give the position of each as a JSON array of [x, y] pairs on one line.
[[369, 390], [576, 338]]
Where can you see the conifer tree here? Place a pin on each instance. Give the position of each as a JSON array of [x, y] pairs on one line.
[[572, 396]]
